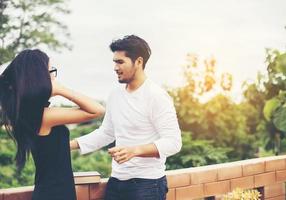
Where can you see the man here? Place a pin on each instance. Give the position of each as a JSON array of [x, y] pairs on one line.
[[142, 121]]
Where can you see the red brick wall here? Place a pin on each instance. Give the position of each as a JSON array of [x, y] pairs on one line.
[[215, 180]]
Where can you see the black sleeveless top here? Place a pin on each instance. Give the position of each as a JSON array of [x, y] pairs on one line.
[[54, 177]]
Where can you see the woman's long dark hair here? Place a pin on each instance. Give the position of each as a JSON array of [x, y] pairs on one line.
[[25, 88]]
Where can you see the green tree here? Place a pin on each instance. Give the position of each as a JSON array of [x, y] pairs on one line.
[[215, 122], [267, 95], [30, 24], [274, 91]]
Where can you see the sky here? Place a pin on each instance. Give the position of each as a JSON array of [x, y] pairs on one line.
[[235, 32]]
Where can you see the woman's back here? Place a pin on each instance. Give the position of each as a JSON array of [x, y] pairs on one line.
[[54, 177]]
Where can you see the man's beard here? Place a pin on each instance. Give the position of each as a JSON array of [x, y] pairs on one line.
[[127, 81], [123, 81]]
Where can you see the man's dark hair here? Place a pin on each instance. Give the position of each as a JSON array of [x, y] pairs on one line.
[[133, 46]]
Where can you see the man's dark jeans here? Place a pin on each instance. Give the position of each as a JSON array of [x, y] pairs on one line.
[[136, 189]]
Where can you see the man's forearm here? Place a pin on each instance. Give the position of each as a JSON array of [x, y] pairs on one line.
[[147, 150], [123, 154]]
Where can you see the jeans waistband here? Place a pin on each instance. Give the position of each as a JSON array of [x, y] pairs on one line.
[[138, 180]]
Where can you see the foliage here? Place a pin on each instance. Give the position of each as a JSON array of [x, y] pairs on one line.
[[31, 24], [215, 122], [201, 79], [268, 96], [196, 153], [8, 170], [275, 106]]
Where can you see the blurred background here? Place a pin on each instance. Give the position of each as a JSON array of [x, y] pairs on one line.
[[223, 62]]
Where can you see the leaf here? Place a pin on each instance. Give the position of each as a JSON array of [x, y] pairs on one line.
[[281, 63], [269, 107], [279, 117]]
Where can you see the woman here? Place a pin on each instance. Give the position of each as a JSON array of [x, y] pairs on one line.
[[25, 88]]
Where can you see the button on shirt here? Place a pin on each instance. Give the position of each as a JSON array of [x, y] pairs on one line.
[[146, 115]]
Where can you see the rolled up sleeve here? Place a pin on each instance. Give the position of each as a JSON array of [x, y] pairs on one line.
[[166, 124]]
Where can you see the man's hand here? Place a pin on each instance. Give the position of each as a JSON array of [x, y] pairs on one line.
[[74, 145], [122, 154]]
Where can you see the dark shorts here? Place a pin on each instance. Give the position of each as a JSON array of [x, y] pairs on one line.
[[136, 189]]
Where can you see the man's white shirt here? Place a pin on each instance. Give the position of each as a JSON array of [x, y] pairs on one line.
[[146, 115]]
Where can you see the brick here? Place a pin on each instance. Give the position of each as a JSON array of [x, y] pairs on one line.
[[82, 192], [272, 165], [18, 196], [97, 191], [229, 172], [253, 168], [171, 195], [243, 182], [281, 176], [21, 193], [220, 187], [274, 190], [203, 176], [282, 197], [190, 192], [178, 180], [264, 179]]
